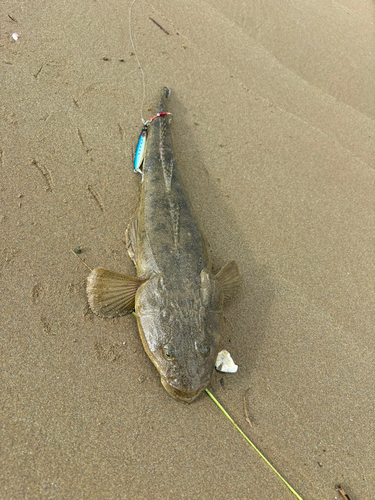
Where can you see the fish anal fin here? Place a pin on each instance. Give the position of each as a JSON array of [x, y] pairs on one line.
[[131, 238], [111, 294], [229, 279]]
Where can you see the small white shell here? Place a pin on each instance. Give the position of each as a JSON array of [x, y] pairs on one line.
[[15, 36], [224, 363]]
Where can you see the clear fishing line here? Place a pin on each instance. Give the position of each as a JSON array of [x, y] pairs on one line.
[[146, 123], [136, 56]]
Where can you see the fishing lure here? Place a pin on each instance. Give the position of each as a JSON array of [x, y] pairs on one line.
[[140, 150], [141, 145]]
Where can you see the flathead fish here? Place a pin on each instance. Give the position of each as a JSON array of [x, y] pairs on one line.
[[177, 299]]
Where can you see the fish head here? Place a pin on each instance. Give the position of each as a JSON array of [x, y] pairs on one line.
[[180, 331]]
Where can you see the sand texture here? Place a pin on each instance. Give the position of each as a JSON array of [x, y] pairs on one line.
[[273, 131]]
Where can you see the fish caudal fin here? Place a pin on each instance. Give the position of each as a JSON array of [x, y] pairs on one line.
[[111, 294], [229, 279], [164, 97]]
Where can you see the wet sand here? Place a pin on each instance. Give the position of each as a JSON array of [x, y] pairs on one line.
[[273, 130]]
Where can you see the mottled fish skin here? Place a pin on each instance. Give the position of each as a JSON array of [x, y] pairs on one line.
[[179, 307], [167, 228], [177, 300]]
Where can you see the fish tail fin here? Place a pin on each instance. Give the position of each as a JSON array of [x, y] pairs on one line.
[[166, 92]]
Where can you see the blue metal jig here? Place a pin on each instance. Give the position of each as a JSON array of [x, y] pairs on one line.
[[141, 145], [140, 150]]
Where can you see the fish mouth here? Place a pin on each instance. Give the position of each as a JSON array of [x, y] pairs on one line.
[[185, 396]]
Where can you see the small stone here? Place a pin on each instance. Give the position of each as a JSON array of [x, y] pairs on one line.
[[224, 363]]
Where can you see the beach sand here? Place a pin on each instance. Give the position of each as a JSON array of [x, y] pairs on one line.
[[273, 131]]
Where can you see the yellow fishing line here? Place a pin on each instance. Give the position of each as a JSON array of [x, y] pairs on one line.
[[253, 445], [250, 443]]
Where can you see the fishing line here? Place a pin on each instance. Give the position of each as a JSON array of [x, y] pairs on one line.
[[253, 445], [139, 64], [141, 145], [137, 168]]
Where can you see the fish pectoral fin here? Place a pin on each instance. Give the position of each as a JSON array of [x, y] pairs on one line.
[[131, 238], [111, 294], [229, 279]]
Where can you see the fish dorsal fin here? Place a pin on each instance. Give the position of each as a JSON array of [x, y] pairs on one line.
[[131, 238], [229, 279], [111, 294]]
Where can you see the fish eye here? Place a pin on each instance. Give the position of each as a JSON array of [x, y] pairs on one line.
[[204, 349], [169, 352]]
